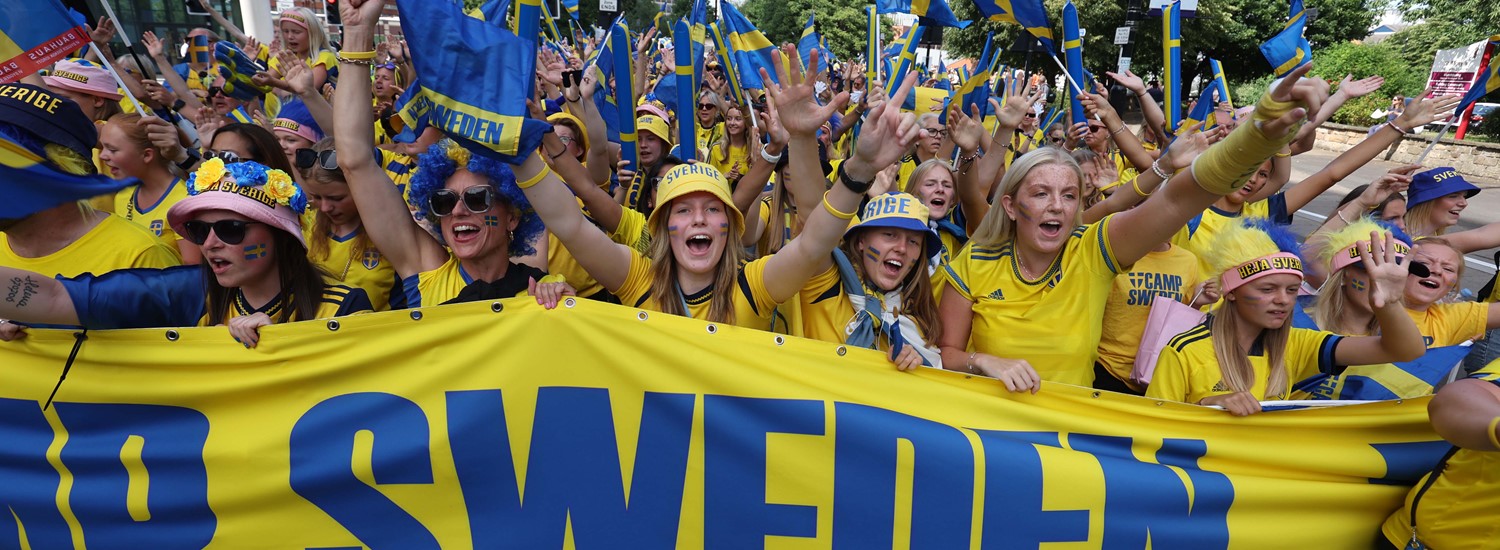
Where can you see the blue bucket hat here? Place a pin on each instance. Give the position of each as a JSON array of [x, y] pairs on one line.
[[901, 211], [1436, 183]]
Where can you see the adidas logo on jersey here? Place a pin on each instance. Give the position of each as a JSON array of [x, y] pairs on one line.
[[1219, 386], [997, 295]]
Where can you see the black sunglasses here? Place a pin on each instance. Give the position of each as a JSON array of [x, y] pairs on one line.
[[214, 91], [229, 157], [327, 160], [705, 106], [477, 199], [229, 231]]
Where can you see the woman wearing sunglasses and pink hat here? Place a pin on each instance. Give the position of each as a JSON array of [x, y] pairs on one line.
[[246, 218]]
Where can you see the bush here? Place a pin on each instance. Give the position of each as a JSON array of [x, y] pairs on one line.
[[1356, 112], [1490, 127], [1247, 93]]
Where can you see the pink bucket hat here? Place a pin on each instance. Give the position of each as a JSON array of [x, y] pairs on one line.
[[83, 77], [252, 190]]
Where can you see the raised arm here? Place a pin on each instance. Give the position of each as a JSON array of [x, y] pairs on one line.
[[1348, 89], [1179, 156], [1219, 171], [35, 298], [409, 247], [581, 104], [1156, 119], [886, 136], [749, 187], [607, 261], [1399, 339], [1421, 112], [157, 52], [804, 180], [975, 185], [299, 80]]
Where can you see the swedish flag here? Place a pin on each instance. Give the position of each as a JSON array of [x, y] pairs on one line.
[[237, 70], [493, 11], [698, 32], [726, 61], [907, 60], [930, 12], [1488, 81], [1171, 46], [572, 7], [30, 184], [811, 41], [1219, 80], [603, 61], [683, 81], [474, 80], [1029, 14], [1289, 49], [551, 20], [750, 48], [35, 34], [1202, 111], [872, 45], [1386, 381], [974, 89]]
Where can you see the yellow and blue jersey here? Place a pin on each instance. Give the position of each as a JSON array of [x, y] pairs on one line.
[[1188, 371], [752, 302], [364, 268], [1053, 322], [439, 286], [1451, 324], [112, 244], [152, 217]]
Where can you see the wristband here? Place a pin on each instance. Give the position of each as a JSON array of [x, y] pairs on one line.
[[859, 188], [1226, 167], [1156, 169], [362, 56], [191, 160], [1117, 130], [1491, 432], [1136, 183], [773, 159], [535, 178], [836, 213], [1398, 128]]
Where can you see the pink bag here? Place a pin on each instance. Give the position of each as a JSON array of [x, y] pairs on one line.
[[1167, 319]]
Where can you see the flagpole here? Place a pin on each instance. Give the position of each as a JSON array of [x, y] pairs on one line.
[[125, 36], [104, 60], [1435, 139], [1076, 88]]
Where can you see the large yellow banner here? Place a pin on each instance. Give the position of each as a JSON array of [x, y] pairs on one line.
[[598, 426]]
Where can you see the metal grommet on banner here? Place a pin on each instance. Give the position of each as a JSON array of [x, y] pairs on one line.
[[1096, 395], [1158, 403], [416, 315], [780, 340], [1400, 401], [497, 307], [172, 336], [570, 302], [712, 329], [842, 350], [642, 316], [333, 325]]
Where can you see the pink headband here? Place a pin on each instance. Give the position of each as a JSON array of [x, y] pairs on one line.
[[294, 18], [1350, 255], [1275, 264], [295, 128]]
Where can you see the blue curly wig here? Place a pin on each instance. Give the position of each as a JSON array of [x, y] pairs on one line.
[[443, 159]]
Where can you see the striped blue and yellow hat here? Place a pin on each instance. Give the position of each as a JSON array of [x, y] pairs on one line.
[[901, 211]]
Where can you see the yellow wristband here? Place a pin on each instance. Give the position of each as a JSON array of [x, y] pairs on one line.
[[1494, 441], [357, 55], [1227, 165], [1136, 183], [535, 178], [836, 213]]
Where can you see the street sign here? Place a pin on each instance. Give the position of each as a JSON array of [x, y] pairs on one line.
[[609, 5], [1122, 36]]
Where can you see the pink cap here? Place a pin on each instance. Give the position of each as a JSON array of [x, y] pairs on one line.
[[295, 128], [1350, 255], [652, 109], [84, 78], [1274, 264]]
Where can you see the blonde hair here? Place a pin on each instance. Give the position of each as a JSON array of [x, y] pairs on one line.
[[317, 38], [317, 245], [1330, 306], [920, 173], [745, 113], [916, 289], [997, 227], [664, 274], [1234, 361], [130, 125], [1419, 220]]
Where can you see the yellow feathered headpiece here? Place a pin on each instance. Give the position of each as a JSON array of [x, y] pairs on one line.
[[1251, 249], [1340, 249]]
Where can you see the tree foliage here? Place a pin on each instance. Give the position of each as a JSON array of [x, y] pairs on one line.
[[1416, 45], [1362, 60], [841, 23]]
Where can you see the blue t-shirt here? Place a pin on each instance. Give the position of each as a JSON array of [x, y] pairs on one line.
[[172, 297]]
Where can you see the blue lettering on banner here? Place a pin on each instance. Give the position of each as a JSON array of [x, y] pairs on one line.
[[573, 470], [322, 443], [864, 483], [30, 487], [1145, 501], [736, 514], [1013, 512]]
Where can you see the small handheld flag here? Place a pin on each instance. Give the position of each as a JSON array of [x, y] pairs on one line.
[[35, 34], [1073, 48], [1029, 14], [929, 12], [1289, 49], [749, 47]]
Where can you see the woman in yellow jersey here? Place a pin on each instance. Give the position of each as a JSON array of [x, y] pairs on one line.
[[302, 33], [1025, 298], [1168, 272], [1455, 506], [710, 124], [876, 295], [1248, 350], [336, 240], [1432, 300], [695, 264], [127, 151], [1342, 305], [731, 154], [932, 183], [486, 234], [255, 270]]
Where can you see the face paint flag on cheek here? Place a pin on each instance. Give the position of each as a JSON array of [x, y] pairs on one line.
[[255, 251], [492, 221]]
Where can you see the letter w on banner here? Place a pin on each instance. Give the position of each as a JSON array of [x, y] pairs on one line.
[[34, 34], [473, 79]]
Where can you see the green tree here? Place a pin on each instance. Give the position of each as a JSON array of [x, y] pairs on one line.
[[1362, 60], [1415, 45], [1475, 19]]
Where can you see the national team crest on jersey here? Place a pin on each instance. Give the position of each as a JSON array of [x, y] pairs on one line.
[[156, 227], [371, 259]]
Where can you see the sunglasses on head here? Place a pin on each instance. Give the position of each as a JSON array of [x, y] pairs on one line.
[[477, 199], [229, 231], [327, 160]]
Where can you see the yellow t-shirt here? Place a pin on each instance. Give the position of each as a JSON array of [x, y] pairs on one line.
[[152, 217], [752, 302], [325, 59], [1203, 229], [825, 309], [1052, 322], [112, 244], [430, 288], [631, 232], [367, 269], [1458, 510], [1172, 273], [739, 155], [400, 168], [1451, 324], [709, 135], [1188, 370], [938, 270]]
